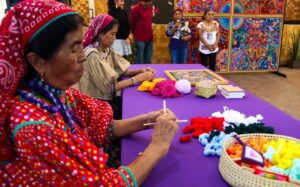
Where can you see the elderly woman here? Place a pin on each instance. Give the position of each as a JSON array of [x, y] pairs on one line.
[[59, 136], [104, 66]]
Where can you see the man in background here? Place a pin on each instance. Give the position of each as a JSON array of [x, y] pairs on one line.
[[141, 27]]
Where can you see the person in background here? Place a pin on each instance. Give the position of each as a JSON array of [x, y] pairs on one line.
[[122, 43], [179, 34], [141, 27], [209, 35], [104, 66], [58, 135]]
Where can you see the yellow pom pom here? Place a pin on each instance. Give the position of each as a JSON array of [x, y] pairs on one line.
[[148, 86]]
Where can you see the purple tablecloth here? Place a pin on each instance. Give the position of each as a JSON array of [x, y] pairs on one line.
[[185, 164]]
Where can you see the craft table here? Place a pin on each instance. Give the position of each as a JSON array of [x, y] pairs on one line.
[[185, 164]]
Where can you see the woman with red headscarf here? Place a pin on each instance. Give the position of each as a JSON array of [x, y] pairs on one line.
[[104, 67], [50, 134]]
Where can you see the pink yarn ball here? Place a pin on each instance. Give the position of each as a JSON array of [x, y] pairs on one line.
[[165, 89]]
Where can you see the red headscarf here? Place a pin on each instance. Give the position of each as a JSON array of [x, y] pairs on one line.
[[21, 24], [96, 27]]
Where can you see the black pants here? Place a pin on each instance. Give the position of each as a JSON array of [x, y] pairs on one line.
[[114, 146], [209, 60]]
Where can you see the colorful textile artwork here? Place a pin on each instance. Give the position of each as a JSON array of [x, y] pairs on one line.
[[256, 45], [193, 50], [196, 6], [259, 6]]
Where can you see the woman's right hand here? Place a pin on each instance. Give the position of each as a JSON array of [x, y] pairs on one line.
[[145, 76], [164, 130]]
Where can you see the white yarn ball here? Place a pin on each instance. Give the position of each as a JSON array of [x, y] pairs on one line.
[[183, 86]]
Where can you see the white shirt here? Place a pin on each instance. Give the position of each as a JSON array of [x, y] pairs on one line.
[[210, 36]]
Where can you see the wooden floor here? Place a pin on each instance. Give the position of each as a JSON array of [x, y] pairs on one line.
[[283, 93]]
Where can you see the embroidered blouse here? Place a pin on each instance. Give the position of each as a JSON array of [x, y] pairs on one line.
[[210, 35], [49, 154]]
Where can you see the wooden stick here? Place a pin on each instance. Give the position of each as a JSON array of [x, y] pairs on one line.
[[164, 106], [177, 121]]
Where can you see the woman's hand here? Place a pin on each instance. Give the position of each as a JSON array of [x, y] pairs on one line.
[[147, 69], [164, 130], [127, 41], [215, 46], [211, 47], [152, 116], [146, 76], [186, 38]]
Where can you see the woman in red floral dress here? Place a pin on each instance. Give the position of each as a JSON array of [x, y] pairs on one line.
[[51, 135]]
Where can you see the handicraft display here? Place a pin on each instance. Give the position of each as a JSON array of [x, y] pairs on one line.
[[197, 6], [247, 43], [256, 44]]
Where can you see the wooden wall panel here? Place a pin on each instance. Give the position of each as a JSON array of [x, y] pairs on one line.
[[82, 7], [292, 10]]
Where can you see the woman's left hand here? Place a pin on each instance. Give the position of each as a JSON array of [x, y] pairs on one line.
[[127, 41], [148, 69], [151, 116]]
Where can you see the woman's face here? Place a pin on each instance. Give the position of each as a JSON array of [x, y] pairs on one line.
[[65, 68], [120, 3], [177, 15], [106, 40], [210, 15]]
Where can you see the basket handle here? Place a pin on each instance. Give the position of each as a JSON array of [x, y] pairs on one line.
[[239, 140]]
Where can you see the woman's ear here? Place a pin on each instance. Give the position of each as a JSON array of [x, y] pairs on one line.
[[36, 62]]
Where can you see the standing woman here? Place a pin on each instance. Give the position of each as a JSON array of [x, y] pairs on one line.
[[209, 35], [179, 34], [122, 42]]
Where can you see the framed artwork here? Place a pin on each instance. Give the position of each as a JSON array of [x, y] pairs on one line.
[[199, 6], [251, 32], [259, 6], [256, 44], [195, 76]]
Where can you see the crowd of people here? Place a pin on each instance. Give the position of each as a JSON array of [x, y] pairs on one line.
[[52, 134]]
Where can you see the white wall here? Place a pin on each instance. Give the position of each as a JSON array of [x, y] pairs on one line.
[[2, 8]]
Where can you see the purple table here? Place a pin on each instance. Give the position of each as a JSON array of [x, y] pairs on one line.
[[185, 164]]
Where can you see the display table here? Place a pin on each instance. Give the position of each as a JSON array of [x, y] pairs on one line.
[[185, 164]]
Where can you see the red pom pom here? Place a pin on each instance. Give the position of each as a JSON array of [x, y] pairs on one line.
[[187, 129], [184, 139], [196, 134]]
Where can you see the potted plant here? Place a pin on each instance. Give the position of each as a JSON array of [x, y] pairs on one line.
[[294, 49]]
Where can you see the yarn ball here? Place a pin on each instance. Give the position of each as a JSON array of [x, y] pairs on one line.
[[183, 86], [251, 128], [213, 142], [165, 89]]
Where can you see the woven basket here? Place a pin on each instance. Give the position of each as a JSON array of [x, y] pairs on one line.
[[206, 88], [238, 177]]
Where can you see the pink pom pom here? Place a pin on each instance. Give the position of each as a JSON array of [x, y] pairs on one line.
[[165, 89]]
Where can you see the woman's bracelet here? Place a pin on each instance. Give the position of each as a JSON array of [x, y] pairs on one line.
[[133, 80]]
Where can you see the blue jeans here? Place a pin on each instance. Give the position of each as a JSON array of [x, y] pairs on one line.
[[143, 52], [178, 55]]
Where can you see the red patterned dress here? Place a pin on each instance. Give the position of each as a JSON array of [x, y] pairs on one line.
[[48, 154]]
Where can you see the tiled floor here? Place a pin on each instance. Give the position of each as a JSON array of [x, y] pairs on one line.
[[283, 93]]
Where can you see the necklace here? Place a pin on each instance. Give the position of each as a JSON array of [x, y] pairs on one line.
[[53, 95]]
